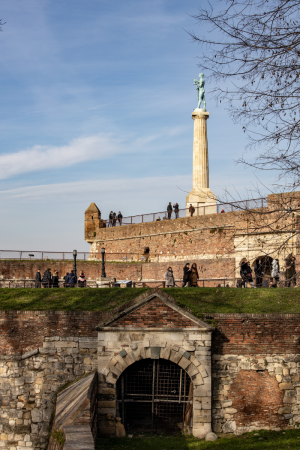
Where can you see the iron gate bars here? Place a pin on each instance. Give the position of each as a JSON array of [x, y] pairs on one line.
[[154, 394]]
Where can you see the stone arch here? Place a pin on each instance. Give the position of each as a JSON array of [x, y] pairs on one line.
[[178, 355]]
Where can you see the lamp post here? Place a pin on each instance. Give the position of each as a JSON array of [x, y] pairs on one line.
[[74, 257], [103, 262]]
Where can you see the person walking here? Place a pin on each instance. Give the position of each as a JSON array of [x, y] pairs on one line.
[[46, 280], [169, 210], [38, 279], [275, 274], [71, 279], [191, 210], [258, 273], [193, 276], [65, 279], [55, 282], [169, 277], [290, 272], [120, 217], [186, 275], [111, 218], [176, 210], [246, 273], [81, 280]]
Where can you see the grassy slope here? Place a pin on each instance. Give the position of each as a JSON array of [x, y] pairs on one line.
[[262, 440], [199, 301]]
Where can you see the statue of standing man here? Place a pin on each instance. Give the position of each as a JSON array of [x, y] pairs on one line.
[[201, 91]]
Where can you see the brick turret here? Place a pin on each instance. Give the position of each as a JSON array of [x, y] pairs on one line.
[[93, 222]]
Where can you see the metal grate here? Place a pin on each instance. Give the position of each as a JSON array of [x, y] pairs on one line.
[[154, 395]]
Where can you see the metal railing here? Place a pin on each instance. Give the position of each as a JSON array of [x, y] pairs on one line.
[[199, 211], [43, 255], [202, 282]]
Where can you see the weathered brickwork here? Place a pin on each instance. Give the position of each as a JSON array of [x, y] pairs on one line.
[[229, 237], [122, 271], [154, 315], [252, 393], [244, 334], [245, 372], [252, 334]]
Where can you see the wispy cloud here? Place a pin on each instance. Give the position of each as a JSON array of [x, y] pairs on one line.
[[41, 157]]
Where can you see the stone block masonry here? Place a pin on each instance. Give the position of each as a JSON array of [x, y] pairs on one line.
[[247, 377]]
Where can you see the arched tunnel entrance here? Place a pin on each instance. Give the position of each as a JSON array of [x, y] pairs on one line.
[[154, 395]]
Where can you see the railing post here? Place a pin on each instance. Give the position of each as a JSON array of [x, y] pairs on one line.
[[63, 256], [131, 219], [142, 219], [20, 256], [153, 217], [42, 256]]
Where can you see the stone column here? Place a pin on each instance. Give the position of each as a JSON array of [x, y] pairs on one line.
[[200, 196]]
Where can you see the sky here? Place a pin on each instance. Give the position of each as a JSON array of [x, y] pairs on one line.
[[96, 103]]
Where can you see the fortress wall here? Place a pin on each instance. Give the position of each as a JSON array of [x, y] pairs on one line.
[[255, 370], [201, 237], [217, 268], [241, 334]]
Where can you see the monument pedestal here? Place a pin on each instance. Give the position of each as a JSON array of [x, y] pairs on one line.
[[204, 201], [201, 197]]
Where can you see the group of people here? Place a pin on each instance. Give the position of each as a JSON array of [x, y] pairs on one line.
[[247, 278], [47, 280], [190, 276], [170, 209], [113, 218]]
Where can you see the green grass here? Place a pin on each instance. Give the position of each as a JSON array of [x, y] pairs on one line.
[[75, 299], [198, 301], [262, 440]]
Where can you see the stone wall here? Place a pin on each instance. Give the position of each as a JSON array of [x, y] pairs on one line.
[[252, 393], [28, 386], [255, 370]]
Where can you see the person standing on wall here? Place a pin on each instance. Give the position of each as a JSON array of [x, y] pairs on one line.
[[290, 272], [246, 273], [46, 280], [275, 274], [120, 217], [114, 219], [169, 210], [191, 210], [193, 276], [71, 279], [111, 217], [176, 210], [169, 277], [81, 280], [258, 273], [186, 274], [55, 282], [38, 279]]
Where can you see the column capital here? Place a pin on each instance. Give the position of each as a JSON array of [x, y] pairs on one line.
[[200, 114]]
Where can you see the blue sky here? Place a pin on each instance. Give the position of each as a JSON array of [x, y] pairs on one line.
[[96, 102]]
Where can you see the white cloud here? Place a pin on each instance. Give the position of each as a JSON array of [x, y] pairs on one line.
[[43, 157], [136, 188]]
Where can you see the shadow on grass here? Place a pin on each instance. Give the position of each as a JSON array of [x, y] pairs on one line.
[[261, 440]]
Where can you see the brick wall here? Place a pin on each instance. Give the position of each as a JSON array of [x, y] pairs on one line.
[[152, 315], [239, 334], [122, 271]]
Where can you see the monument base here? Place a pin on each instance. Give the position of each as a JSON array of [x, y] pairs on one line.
[[203, 200]]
